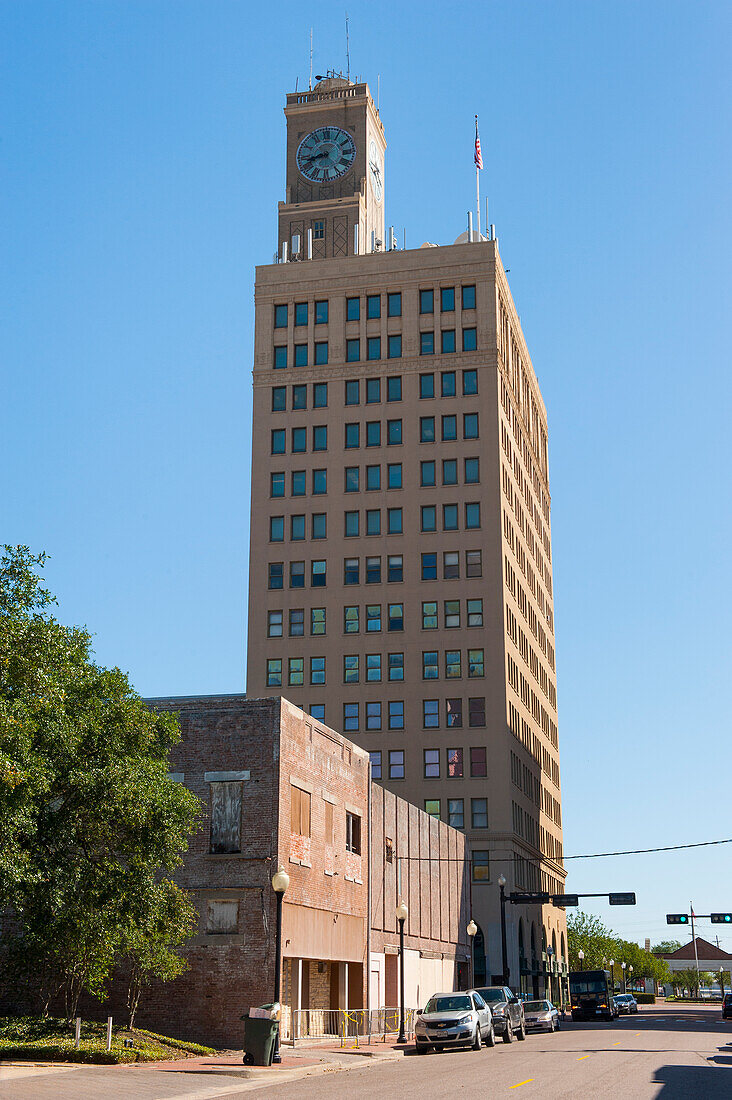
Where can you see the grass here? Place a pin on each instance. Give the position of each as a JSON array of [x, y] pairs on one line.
[[52, 1040]]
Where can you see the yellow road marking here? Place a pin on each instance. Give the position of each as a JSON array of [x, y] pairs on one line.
[[520, 1083], [637, 1034], [616, 1044], [583, 1057]]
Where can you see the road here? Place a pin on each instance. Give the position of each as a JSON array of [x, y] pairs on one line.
[[668, 1051]]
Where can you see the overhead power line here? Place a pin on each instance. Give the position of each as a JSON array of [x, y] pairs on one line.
[[644, 851]]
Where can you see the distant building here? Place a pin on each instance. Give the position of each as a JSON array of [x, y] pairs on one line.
[[711, 957]]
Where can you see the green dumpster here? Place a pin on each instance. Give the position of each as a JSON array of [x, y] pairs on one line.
[[259, 1040]]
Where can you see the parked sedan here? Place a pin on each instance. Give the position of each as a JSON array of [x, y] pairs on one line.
[[625, 1002], [508, 1012], [454, 1020], [541, 1016]]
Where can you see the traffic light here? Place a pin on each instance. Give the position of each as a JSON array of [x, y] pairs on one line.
[[721, 918], [622, 899], [677, 918]]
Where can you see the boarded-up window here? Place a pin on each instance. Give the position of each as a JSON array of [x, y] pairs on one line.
[[299, 811], [226, 817], [222, 917], [328, 823], [353, 834], [389, 849]]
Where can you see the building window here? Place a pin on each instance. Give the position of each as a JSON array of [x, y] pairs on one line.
[[373, 618], [352, 479], [427, 429], [373, 570], [321, 313], [432, 807], [320, 483], [299, 811], [476, 663], [350, 620], [452, 664], [431, 714], [429, 615], [350, 571], [353, 392], [431, 763], [353, 354], [275, 574], [472, 471], [394, 474], [373, 668], [301, 355], [454, 714], [297, 574], [396, 616], [375, 758], [373, 306], [427, 347], [296, 671], [450, 565], [479, 813], [478, 769], [452, 613], [447, 344], [428, 514], [396, 666], [394, 521], [454, 763], [470, 383], [396, 715], [321, 353], [299, 440], [393, 433], [470, 426], [353, 433], [318, 525], [317, 620], [447, 299], [426, 386], [473, 563], [394, 305], [317, 710], [274, 672], [475, 612], [297, 528], [396, 764], [353, 309], [448, 383], [351, 527], [274, 624], [455, 813], [299, 397], [280, 358], [297, 622], [426, 301], [279, 398], [318, 231], [225, 834], [373, 716], [301, 313], [320, 437], [373, 521], [476, 713], [394, 387], [277, 485], [298, 483], [353, 833], [373, 347], [427, 474], [449, 517], [470, 339], [468, 297], [449, 471], [449, 429], [395, 568], [480, 866], [350, 717], [280, 316], [276, 528], [429, 567], [472, 516], [394, 347], [373, 478], [277, 445], [373, 391], [373, 433], [317, 574], [317, 670]]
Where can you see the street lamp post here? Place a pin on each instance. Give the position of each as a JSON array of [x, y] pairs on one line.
[[471, 930], [612, 974], [402, 913], [581, 957], [625, 988], [550, 953], [505, 977], [280, 882], [630, 975]]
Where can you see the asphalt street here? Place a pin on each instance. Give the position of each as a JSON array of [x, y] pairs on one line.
[[665, 1051]]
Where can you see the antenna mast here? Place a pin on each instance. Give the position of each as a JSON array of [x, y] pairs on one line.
[[310, 85], [348, 54]]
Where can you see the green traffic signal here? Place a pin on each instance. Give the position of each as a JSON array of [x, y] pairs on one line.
[[677, 918], [721, 918]]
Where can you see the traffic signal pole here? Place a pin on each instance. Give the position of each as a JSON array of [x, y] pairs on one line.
[[696, 953]]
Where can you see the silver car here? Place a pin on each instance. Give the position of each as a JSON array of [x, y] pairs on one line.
[[454, 1020], [541, 1016], [625, 1002]]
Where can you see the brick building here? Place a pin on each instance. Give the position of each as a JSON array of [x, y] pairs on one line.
[[281, 788]]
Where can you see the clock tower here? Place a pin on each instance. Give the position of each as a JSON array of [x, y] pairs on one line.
[[335, 172]]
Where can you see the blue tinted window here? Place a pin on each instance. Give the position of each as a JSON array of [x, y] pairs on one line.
[[393, 432], [448, 341], [279, 398], [373, 391], [449, 471], [426, 343], [277, 485], [299, 440], [321, 313], [301, 313], [470, 339], [278, 441], [353, 432], [470, 382], [394, 305], [427, 429], [448, 387], [353, 309], [373, 477], [276, 528], [321, 353], [299, 483], [353, 351], [394, 470], [426, 301], [429, 517], [373, 305], [447, 299], [301, 355], [468, 297], [299, 397], [280, 358], [427, 474], [394, 388], [320, 438], [426, 385], [280, 316], [352, 392], [352, 479], [374, 347], [320, 395], [320, 482], [429, 567], [395, 347]]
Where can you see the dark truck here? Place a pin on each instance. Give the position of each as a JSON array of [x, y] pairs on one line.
[[591, 995]]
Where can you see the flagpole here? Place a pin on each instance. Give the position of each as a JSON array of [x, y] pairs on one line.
[[477, 184]]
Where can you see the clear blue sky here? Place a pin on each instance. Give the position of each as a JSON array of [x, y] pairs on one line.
[[142, 157]]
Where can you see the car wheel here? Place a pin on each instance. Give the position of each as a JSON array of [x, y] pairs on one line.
[[508, 1033], [521, 1033], [477, 1041], [248, 1059], [491, 1037]]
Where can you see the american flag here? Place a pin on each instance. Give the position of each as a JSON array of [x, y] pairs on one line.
[[478, 155]]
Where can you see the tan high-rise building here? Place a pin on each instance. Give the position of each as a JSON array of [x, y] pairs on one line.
[[401, 567]]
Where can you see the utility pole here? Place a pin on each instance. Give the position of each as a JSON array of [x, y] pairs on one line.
[[696, 953]]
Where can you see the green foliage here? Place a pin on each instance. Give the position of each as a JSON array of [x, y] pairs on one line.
[[666, 947], [645, 998], [587, 933], [48, 1039], [91, 825]]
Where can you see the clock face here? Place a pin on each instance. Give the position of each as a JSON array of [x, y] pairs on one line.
[[326, 154], [375, 174]]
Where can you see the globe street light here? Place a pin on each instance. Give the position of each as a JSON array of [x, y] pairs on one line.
[[504, 950], [625, 988], [280, 882], [630, 975], [612, 974], [581, 957], [471, 930], [401, 913]]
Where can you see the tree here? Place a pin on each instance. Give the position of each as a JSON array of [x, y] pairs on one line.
[[91, 825], [587, 933], [666, 947]]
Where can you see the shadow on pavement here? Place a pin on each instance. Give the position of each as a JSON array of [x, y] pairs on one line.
[[684, 1082]]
